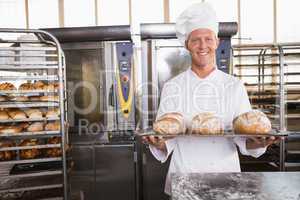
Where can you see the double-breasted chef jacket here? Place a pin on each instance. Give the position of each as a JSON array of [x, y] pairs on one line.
[[188, 94]]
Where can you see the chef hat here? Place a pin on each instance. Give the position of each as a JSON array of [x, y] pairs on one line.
[[200, 15]]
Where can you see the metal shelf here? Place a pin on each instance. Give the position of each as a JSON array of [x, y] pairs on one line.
[[28, 104], [27, 67], [29, 120], [31, 160], [35, 174], [30, 77], [21, 134], [28, 48], [44, 146], [32, 188], [27, 92]]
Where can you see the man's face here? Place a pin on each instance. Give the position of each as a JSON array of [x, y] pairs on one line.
[[202, 44]]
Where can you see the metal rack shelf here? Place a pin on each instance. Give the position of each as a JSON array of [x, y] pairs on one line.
[[36, 55], [37, 133], [30, 77], [32, 160], [29, 120], [28, 104]]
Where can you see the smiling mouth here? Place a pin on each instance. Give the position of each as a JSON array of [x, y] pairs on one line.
[[203, 53]]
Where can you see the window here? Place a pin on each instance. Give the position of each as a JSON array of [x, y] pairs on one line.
[[43, 14], [288, 24], [12, 14], [79, 13], [257, 21], [113, 12]]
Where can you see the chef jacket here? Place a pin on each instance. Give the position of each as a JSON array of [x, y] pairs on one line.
[[188, 94]]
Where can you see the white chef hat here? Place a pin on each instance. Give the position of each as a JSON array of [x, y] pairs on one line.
[[200, 15]]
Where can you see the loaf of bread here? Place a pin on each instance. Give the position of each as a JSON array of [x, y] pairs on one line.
[[16, 114], [51, 86], [54, 152], [29, 153], [7, 155], [207, 124], [39, 85], [3, 98], [53, 113], [35, 126], [21, 98], [26, 86], [34, 98], [53, 126], [7, 86], [11, 129], [3, 115], [49, 98], [253, 122], [170, 123], [33, 113]]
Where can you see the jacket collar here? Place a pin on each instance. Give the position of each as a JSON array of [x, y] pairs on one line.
[[212, 76]]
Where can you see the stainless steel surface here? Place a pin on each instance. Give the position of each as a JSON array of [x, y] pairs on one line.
[[282, 157], [282, 125], [27, 104], [114, 33], [32, 160], [24, 134], [29, 120], [28, 77], [101, 169]]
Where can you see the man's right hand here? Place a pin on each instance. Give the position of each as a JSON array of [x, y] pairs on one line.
[[157, 141]]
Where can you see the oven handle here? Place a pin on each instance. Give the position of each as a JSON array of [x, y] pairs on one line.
[[111, 98]]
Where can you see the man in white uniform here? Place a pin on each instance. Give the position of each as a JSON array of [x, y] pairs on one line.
[[203, 88]]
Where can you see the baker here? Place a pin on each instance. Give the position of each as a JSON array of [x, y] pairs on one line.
[[203, 88]]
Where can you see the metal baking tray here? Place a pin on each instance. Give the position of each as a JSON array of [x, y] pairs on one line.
[[30, 120], [228, 133], [44, 146], [27, 67], [36, 167], [25, 104]]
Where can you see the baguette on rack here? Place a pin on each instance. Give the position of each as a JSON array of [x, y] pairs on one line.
[[53, 126], [170, 123], [53, 113], [54, 152], [11, 129], [7, 86], [29, 153], [16, 114], [33, 113], [51, 86], [49, 98], [26, 86], [7, 155], [3, 115], [253, 122]]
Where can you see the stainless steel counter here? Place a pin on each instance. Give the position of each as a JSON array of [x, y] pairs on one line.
[[229, 186]]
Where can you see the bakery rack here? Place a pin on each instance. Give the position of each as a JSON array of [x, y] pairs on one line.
[[271, 74], [28, 56]]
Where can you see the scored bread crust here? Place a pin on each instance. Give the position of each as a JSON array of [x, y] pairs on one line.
[[253, 122], [7, 86], [16, 114], [29, 153], [53, 126], [207, 124], [3, 115], [33, 113], [170, 123], [52, 113]]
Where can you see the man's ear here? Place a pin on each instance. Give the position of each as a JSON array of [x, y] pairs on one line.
[[217, 41], [186, 44]]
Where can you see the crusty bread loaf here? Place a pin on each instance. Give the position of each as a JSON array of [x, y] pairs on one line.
[[51, 86], [3, 98], [33, 113], [26, 86], [21, 98], [11, 129], [34, 98], [7, 86], [35, 126], [207, 124], [39, 85], [253, 122], [170, 123], [53, 126], [3, 115], [54, 152], [29, 153], [7, 155], [49, 98], [52, 113], [16, 114]]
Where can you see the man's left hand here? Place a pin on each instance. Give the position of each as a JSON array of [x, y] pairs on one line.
[[261, 142]]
